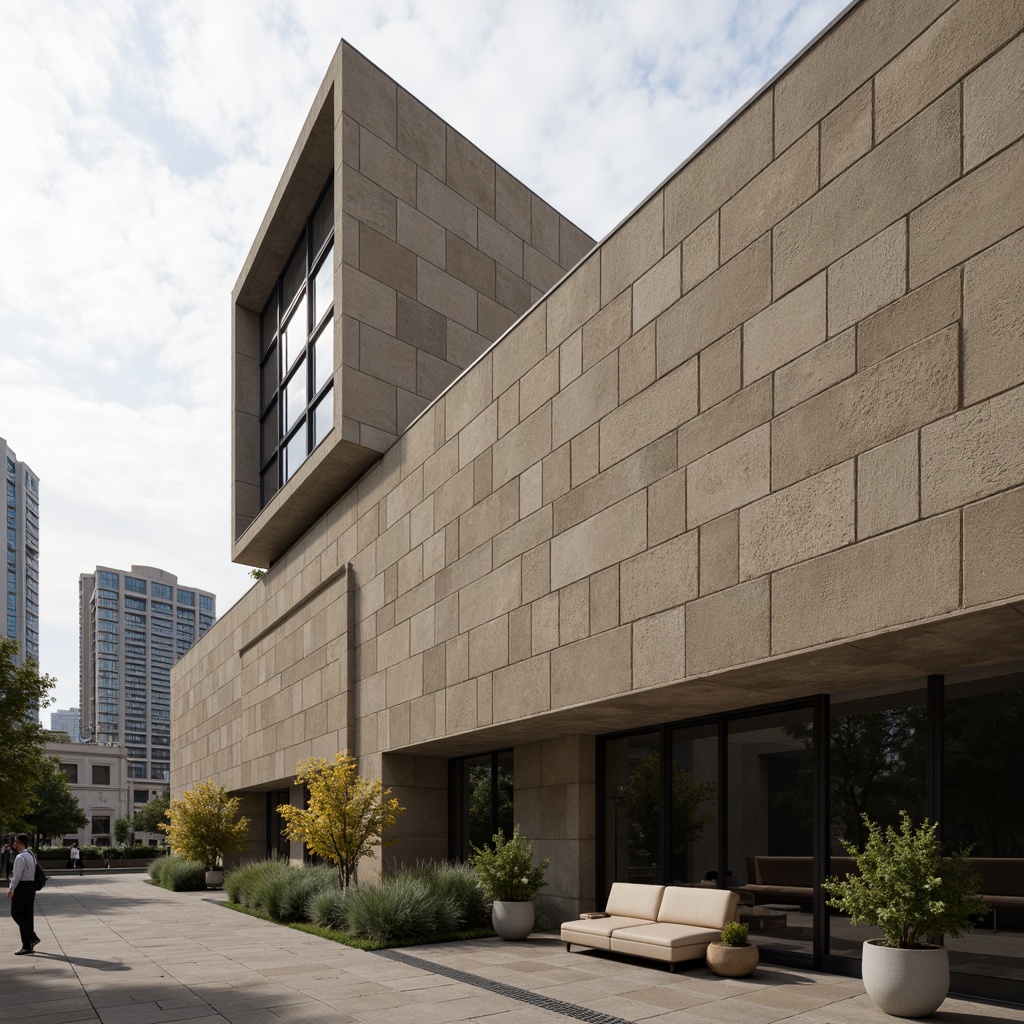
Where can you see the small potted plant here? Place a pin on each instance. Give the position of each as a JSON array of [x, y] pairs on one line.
[[734, 956], [909, 890], [508, 877]]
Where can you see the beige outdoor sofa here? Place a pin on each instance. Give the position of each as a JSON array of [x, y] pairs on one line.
[[668, 923]]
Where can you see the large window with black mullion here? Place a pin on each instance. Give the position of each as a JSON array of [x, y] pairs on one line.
[[481, 792], [297, 353]]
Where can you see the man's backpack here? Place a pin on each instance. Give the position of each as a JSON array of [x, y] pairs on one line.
[[40, 878]]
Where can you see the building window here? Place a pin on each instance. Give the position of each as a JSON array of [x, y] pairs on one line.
[[109, 579], [161, 590], [70, 771], [141, 796], [186, 597], [205, 603], [137, 585], [100, 825], [297, 353], [101, 775], [482, 791]]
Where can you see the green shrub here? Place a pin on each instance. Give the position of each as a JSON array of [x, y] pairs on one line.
[[327, 908], [178, 874], [402, 907], [265, 890], [459, 883], [735, 934], [238, 881], [506, 872]]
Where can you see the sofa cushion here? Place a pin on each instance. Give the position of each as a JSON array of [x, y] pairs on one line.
[[671, 935], [697, 906], [632, 899], [1000, 876], [596, 932]]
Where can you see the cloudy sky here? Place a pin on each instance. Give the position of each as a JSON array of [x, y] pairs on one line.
[[140, 144]]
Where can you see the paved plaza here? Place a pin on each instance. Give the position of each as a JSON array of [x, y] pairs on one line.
[[118, 950]]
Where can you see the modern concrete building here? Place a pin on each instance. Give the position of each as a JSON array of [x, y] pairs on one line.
[[19, 538], [133, 626], [717, 545], [68, 721]]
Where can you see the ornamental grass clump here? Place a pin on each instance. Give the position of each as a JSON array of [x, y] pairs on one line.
[[735, 934], [402, 907], [506, 872], [906, 887], [178, 874]]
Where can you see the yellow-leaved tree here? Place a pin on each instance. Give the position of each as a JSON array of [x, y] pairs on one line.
[[205, 825], [347, 815]]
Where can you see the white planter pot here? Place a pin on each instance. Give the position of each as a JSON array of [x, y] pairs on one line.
[[906, 982], [512, 919], [214, 879]]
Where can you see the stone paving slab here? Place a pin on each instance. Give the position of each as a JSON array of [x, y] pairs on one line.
[[116, 950]]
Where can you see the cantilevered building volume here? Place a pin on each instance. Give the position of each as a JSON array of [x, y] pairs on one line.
[[665, 536], [19, 539], [134, 626]]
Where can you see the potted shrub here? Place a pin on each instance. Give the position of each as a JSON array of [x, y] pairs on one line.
[[511, 882], [734, 956], [909, 890]]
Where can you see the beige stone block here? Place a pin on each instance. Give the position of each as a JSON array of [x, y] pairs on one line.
[[446, 207], [741, 288], [447, 294], [799, 522], [870, 277], [420, 235], [520, 639], [659, 648], [484, 709], [905, 391], [917, 315], [490, 596], [606, 331], [454, 497], [725, 422], [778, 190], [470, 172], [522, 536], [530, 490], [993, 331], [539, 385], [591, 669], [994, 549], [541, 272], [666, 507], [369, 301], [368, 203], [654, 412], [846, 133], [511, 203], [511, 290], [973, 454], [865, 40], [544, 233], [993, 100], [488, 646], [701, 252], [405, 680], [508, 410], [574, 612], [887, 486], [720, 370], [422, 328], [537, 572], [489, 517], [659, 578], [556, 474], [966, 34], [910, 574], [502, 245], [525, 346], [522, 689], [469, 265], [970, 215], [462, 345], [584, 455], [604, 599], [719, 170], [585, 401], [657, 289], [729, 477], [478, 435], [574, 301], [467, 398], [816, 371], [886, 184], [457, 659], [522, 446], [606, 538], [720, 553], [368, 95], [421, 134], [544, 623], [637, 363], [570, 359], [728, 629], [633, 249], [387, 167], [461, 707], [573, 244]]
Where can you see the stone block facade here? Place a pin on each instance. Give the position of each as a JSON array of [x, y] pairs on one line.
[[776, 417]]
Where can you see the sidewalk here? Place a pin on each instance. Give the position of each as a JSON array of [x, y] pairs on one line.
[[117, 950]]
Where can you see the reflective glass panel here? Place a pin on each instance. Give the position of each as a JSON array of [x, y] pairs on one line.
[[269, 432], [293, 336], [323, 417], [268, 323], [694, 810], [771, 827], [294, 397], [323, 288], [323, 357], [294, 274], [295, 453], [323, 219], [268, 481], [632, 809], [269, 379]]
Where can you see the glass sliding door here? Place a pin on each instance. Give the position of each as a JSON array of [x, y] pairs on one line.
[[482, 801], [694, 805], [771, 827], [632, 809]]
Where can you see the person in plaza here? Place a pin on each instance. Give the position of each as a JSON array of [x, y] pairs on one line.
[[22, 894], [6, 860], [75, 857]]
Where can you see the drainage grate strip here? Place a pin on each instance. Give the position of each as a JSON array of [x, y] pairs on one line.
[[500, 988]]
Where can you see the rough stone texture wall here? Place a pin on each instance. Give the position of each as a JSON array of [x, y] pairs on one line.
[[768, 440]]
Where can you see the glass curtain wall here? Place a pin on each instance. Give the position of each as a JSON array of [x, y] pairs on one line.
[[632, 809], [482, 791]]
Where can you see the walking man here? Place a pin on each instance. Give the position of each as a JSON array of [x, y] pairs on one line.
[[75, 857], [22, 894]]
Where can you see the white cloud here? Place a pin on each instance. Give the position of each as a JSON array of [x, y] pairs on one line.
[[143, 140]]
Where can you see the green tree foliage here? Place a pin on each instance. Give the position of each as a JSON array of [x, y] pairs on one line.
[[22, 691], [55, 811], [906, 887], [149, 816], [480, 827], [122, 829], [346, 816], [507, 871], [204, 825]]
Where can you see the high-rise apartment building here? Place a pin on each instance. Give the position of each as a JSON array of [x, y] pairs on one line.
[[69, 721], [19, 534], [133, 626]]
